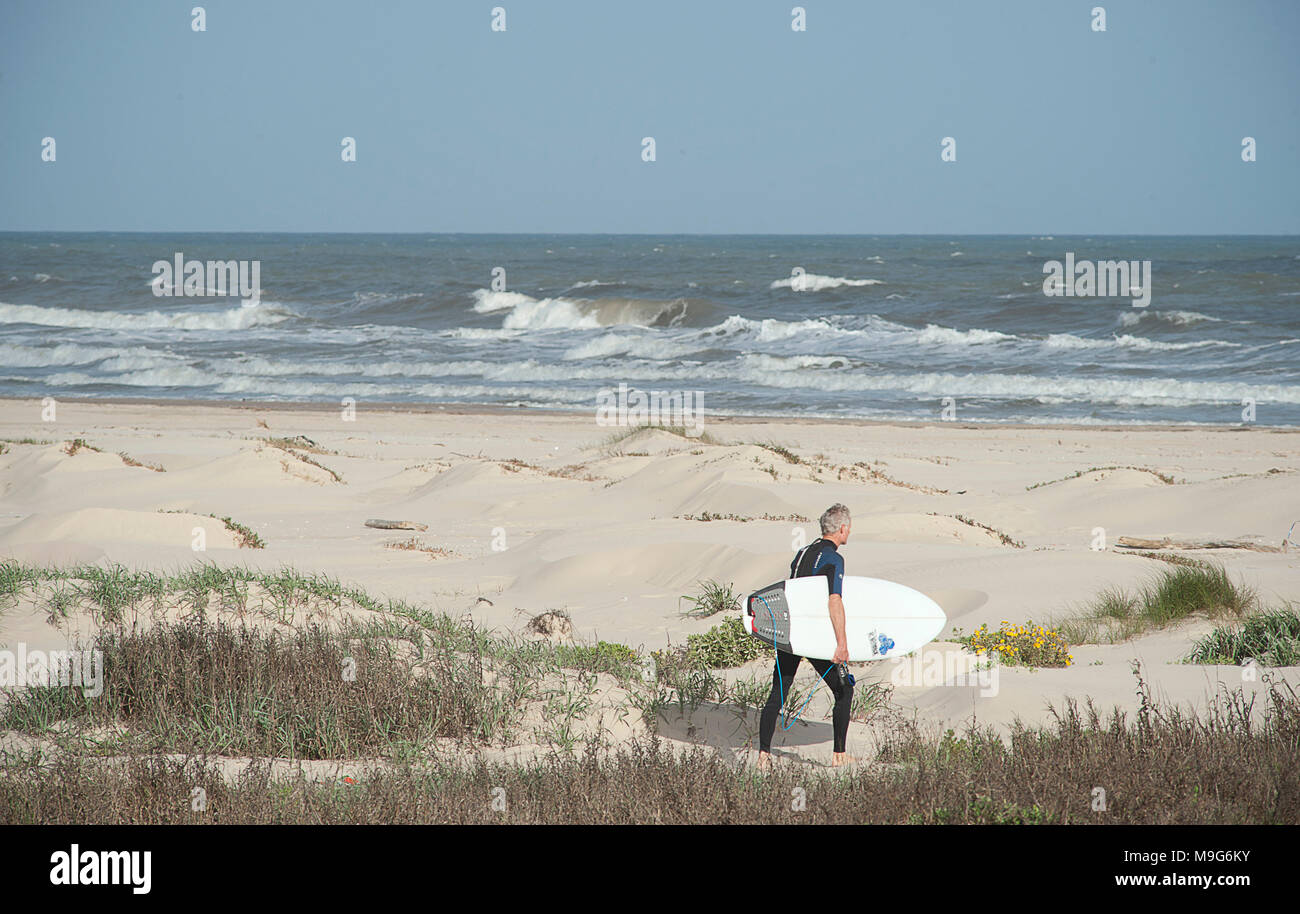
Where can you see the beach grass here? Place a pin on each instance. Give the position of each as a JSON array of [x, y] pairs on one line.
[[714, 597], [610, 447], [213, 699], [1270, 638], [1159, 766], [1176, 594], [1163, 477]]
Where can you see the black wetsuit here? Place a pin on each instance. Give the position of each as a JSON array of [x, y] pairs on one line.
[[820, 557]]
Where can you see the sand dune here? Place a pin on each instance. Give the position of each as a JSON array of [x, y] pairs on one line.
[[110, 525], [537, 511]]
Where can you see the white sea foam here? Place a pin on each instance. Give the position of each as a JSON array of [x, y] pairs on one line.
[[815, 282], [648, 345], [16, 355], [528, 313], [487, 301], [1147, 391], [1177, 318], [1125, 341], [250, 314], [948, 336]]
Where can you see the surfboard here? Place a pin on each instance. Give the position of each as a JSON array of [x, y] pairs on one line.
[[882, 619]]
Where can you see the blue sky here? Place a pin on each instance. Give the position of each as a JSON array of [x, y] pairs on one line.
[[1059, 129]]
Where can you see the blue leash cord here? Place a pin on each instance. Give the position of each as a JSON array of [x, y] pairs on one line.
[[781, 683]]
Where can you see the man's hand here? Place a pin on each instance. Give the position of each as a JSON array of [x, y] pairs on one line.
[[841, 654]]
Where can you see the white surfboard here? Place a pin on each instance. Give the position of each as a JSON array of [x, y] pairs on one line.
[[881, 619]]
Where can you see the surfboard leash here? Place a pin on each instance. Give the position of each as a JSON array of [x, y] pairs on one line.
[[781, 682]]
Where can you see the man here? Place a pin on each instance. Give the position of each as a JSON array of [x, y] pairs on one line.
[[819, 557]]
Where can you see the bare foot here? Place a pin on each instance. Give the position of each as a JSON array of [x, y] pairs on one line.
[[841, 758], [764, 761]]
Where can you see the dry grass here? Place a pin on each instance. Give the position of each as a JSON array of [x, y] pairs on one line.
[[414, 544], [1158, 766], [186, 704]]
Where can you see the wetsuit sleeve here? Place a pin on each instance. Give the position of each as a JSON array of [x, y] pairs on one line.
[[835, 561]]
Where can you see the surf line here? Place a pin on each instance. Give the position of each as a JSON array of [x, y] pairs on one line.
[[781, 683]]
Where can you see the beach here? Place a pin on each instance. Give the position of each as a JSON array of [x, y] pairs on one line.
[[519, 512]]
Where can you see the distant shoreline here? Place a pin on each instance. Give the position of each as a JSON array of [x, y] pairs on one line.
[[491, 409]]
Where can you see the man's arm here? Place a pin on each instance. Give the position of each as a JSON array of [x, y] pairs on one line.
[[837, 622], [836, 606]]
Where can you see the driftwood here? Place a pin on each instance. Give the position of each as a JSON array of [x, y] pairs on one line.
[[1137, 542], [397, 525]]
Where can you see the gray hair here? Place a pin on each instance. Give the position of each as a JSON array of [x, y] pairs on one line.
[[834, 517]]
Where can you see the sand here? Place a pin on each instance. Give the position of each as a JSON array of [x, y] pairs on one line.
[[534, 511]]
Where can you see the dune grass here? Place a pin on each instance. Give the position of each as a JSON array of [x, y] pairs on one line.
[[610, 446], [223, 690], [1270, 638], [1002, 537], [72, 447], [1159, 766], [714, 597], [1163, 477], [182, 696], [288, 446], [1176, 594], [490, 679]]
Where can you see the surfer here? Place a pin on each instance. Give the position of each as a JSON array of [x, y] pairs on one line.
[[819, 557]]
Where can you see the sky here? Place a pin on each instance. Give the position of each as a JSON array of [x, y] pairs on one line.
[[1058, 129]]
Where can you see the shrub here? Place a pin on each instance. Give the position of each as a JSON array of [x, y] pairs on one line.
[[1270, 638], [725, 645], [1023, 645]]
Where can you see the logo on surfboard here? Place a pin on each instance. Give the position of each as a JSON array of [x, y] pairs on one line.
[[881, 644]]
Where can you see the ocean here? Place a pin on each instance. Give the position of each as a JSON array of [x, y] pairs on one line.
[[875, 327]]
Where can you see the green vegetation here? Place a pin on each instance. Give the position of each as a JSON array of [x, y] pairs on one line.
[[1270, 638], [604, 657], [724, 646], [212, 673], [244, 536], [1006, 540], [714, 597], [132, 462], [223, 690], [780, 450], [79, 444], [1160, 766], [299, 442], [1176, 594], [610, 445], [282, 444], [1019, 645]]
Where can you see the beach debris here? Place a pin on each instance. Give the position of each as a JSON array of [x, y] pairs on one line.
[[1137, 542], [396, 525], [554, 625]]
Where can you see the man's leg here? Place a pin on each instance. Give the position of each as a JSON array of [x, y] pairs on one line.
[[843, 703], [783, 671]]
